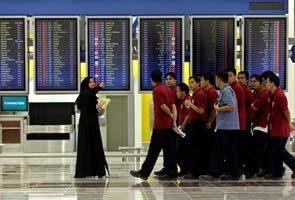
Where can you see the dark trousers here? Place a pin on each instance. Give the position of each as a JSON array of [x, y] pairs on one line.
[[260, 154], [161, 139], [225, 148], [279, 155], [181, 149], [246, 159], [196, 142]]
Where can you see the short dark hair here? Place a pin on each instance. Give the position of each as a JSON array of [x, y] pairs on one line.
[[222, 76], [257, 77], [156, 75], [183, 88], [274, 79], [172, 74], [266, 74], [233, 70], [196, 78], [246, 74], [209, 77]]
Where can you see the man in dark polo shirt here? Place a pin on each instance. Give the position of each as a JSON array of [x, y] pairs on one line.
[[207, 84], [280, 127], [163, 135], [171, 84], [260, 107], [196, 136]]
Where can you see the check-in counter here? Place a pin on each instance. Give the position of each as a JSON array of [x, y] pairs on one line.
[[49, 138], [12, 132]]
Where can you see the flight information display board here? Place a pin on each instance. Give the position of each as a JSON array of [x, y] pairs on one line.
[[56, 55], [212, 44], [108, 52], [13, 62], [265, 46], [161, 47]]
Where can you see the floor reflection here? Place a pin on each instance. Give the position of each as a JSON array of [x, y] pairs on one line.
[[39, 179]]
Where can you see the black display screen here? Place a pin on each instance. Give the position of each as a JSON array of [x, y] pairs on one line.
[[13, 72], [56, 43], [161, 47], [265, 46], [109, 52], [213, 45]]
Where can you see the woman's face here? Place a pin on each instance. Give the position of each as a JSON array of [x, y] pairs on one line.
[[91, 83]]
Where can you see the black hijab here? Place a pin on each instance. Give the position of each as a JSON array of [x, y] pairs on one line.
[[84, 86]]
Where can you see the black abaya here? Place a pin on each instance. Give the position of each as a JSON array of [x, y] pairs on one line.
[[91, 159]]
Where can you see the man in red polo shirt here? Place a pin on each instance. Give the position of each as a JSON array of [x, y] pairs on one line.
[[207, 84], [245, 158], [280, 127], [171, 84], [247, 138], [162, 136], [260, 107], [196, 136], [171, 79], [183, 119]]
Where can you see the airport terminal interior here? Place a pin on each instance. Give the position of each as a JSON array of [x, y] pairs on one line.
[[48, 47]]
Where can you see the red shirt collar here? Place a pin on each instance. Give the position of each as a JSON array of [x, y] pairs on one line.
[[158, 84], [234, 84], [197, 91]]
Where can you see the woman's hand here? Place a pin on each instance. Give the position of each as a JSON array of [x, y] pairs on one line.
[[102, 85]]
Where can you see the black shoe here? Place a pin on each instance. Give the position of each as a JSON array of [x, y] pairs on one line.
[[230, 178], [180, 174], [190, 176], [208, 177], [293, 175], [272, 177], [249, 175], [166, 177], [283, 171], [162, 172], [137, 174]]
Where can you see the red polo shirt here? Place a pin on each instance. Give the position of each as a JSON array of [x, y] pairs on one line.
[[248, 101], [279, 124], [199, 100], [183, 110], [177, 101], [161, 95], [212, 96], [261, 102], [241, 104]]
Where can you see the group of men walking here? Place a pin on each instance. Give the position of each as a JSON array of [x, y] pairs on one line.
[[228, 134]]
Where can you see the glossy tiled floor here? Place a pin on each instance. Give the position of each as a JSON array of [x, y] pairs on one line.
[[53, 179]]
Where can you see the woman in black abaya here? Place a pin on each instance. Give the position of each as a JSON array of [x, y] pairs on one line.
[[91, 160]]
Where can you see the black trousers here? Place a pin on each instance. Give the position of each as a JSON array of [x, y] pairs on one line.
[[196, 143], [246, 159], [225, 148], [181, 150], [279, 154], [260, 153], [162, 139]]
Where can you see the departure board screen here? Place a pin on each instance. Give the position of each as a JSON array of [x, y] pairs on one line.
[[161, 47], [265, 46], [13, 72], [56, 58], [213, 45], [109, 52]]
